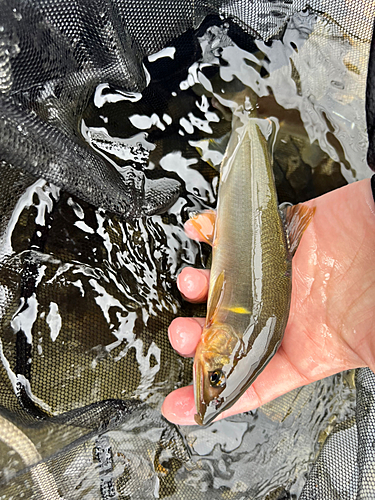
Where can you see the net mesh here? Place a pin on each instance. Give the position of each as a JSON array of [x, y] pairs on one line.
[[92, 241]]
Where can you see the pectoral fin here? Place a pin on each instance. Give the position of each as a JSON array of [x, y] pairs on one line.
[[296, 219], [215, 299]]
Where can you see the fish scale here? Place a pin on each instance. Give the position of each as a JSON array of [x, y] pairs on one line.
[[250, 283], [249, 231]]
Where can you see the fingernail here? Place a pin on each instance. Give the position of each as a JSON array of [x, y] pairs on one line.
[[179, 408], [184, 335], [193, 284]]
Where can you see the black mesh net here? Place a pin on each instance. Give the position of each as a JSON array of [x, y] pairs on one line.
[[108, 134]]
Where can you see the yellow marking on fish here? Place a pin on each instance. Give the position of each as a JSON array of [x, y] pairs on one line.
[[238, 310]]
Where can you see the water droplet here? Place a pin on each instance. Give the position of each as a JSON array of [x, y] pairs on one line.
[[337, 84]]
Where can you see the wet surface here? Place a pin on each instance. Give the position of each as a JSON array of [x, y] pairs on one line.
[[84, 270], [320, 145]]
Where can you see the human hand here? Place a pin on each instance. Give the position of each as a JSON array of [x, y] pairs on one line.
[[332, 313]]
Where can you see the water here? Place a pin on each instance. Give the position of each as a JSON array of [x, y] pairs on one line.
[[272, 448], [311, 84], [104, 333]]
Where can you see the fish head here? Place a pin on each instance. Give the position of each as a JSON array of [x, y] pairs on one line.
[[212, 364]]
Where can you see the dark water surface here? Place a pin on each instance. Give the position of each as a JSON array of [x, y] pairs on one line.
[[311, 83], [116, 278]]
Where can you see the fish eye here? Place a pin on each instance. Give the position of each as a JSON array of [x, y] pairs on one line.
[[217, 378]]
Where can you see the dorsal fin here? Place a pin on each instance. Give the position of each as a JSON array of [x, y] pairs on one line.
[[204, 224], [296, 219], [215, 299]]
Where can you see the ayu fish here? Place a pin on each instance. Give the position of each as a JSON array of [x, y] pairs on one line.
[[251, 282]]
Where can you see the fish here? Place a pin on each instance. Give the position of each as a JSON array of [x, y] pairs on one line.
[[251, 273]]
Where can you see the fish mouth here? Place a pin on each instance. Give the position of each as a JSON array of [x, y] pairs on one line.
[[200, 404], [207, 416], [198, 419]]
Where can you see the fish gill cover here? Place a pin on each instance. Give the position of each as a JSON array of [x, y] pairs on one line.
[[111, 115]]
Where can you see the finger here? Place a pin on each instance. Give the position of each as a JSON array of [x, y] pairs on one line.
[[178, 407], [278, 378], [184, 335], [193, 284], [201, 226]]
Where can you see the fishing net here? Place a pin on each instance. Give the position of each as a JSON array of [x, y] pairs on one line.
[[112, 116]]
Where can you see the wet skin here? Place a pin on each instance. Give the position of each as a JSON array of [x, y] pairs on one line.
[[332, 315]]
